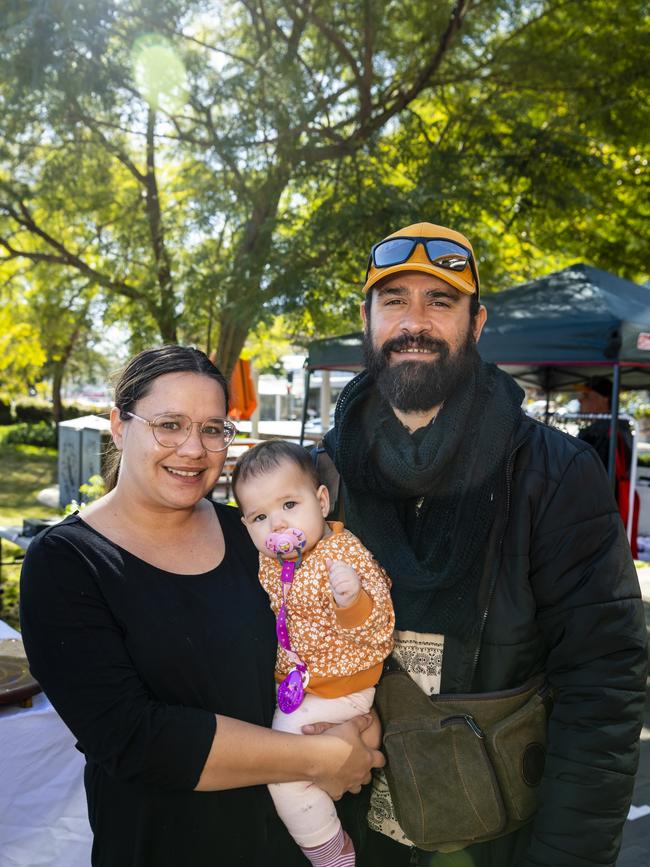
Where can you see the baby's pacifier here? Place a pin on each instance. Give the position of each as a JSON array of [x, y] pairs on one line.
[[284, 543]]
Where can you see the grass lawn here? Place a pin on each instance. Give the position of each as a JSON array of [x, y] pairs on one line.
[[24, 471]]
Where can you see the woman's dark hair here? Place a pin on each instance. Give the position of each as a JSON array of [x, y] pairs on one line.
[[138, 377], [268, 456]]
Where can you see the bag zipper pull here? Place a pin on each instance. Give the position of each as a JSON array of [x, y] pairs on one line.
[[475, 727]]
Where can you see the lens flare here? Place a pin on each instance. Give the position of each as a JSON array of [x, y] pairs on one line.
[[159, 73]]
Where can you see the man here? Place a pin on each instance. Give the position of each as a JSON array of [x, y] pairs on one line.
[[596, 399], [505, 548]]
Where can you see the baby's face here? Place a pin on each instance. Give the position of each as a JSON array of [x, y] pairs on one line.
[[281, 498]]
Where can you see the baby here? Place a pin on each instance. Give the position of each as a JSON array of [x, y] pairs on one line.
[[335, 621]]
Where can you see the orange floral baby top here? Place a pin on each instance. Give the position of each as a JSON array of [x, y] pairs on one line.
[[344, 648]]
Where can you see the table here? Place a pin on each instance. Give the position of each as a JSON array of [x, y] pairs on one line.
[[43, 815]]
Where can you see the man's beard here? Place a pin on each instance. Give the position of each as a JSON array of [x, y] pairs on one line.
[[417, 386]]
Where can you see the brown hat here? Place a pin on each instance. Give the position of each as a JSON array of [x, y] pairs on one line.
[[434, 250]]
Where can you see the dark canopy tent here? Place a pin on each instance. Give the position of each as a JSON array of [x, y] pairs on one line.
[[551, 333], [569, 326], [336, 353]]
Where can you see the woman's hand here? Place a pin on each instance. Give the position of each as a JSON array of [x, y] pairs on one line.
[[349, 759], [371, 736]]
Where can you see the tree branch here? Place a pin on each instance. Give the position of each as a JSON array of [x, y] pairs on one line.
[[167, 315], [394, 106], [111, 147], [335, 38], [62, 256]]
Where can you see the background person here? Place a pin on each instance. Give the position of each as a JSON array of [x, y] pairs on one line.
[[596, 399], [505, 548], [146, 626], [339, 617]]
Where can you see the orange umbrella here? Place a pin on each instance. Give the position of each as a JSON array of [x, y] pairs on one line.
[[243, 399]]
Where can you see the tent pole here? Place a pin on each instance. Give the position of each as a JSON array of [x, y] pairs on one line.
[[613, 424], [305, 404], [547, 411], [633, 462]]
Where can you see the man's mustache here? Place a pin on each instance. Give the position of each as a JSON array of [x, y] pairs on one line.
[[415, 341]]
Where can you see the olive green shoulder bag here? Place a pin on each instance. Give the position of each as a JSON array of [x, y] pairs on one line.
[[462, 768]]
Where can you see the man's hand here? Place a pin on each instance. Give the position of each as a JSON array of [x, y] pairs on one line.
[[344, 581]]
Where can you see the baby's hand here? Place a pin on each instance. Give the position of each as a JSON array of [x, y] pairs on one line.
[[344, 582]]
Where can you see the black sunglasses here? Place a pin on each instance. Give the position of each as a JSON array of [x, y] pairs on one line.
[[441, 252]]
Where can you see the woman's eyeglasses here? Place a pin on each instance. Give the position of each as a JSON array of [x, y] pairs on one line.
[[171, 430]]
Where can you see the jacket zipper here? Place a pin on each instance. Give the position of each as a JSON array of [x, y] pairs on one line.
[[509, 467]]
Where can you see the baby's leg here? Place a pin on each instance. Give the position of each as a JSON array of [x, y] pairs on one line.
[[307, 811], [337, 852]]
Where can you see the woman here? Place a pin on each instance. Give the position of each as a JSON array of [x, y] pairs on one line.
[[145, 623]]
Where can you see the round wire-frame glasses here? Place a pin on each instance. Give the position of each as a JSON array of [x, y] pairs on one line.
[[172, 429]]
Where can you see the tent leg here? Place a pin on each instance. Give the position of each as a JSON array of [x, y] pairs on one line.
[[305, 404], [547, 389], [613, 424], [630, 513]]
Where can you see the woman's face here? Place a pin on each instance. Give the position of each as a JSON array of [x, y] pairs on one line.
[[170, 478]]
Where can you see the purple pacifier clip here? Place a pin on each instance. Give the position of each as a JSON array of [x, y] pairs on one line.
[[292, 689]]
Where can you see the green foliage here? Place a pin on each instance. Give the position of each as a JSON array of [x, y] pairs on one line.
[[267, 344], [41, 433], [6, 416], [25, 471], [91, 490], [31, 410], [21, 355], [78, 410], [194, 175]]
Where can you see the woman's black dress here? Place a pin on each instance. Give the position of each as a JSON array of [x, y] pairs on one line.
[[137, 661]]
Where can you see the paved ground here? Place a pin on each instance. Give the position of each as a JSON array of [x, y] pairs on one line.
[[635, 851]]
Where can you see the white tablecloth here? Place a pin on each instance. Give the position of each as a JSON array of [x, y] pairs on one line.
[[43, 816]]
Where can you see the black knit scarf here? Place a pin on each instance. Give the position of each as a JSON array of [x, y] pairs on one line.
[[434, 554]]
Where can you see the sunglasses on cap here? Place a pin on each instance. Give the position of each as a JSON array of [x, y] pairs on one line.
[[441, 252]]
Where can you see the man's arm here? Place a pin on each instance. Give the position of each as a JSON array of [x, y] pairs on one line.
[[591, 617]]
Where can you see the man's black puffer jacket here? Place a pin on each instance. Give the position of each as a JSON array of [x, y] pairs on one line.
[[560, 594]]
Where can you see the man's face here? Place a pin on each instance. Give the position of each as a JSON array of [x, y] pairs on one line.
[[592, 403], [420, 341]]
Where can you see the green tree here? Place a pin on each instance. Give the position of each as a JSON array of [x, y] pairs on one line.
[[61, 307], [21, 355], [206, 166]]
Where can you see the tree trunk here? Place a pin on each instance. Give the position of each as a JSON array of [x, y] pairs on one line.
[[57, 383], [60, 362], [166, 308], [167, 327], [232, 337], [241, 310]]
